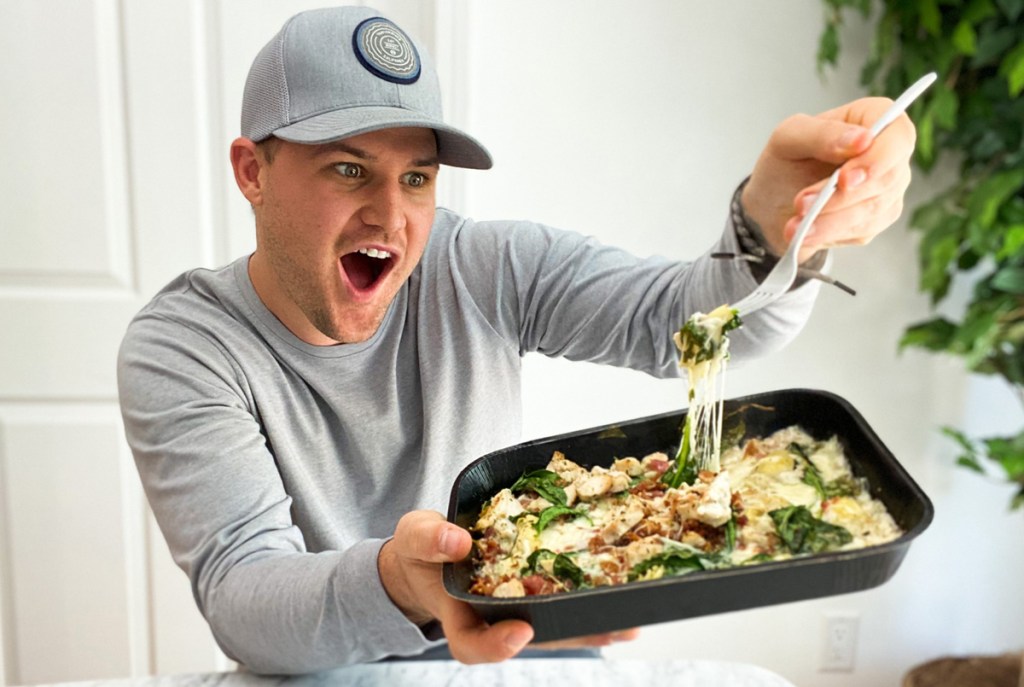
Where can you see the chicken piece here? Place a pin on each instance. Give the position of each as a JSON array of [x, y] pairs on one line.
[[509, 589], [715, 507], [565, 468], [600, 481], [622, 519], [640, 550], [707, 503], [630, 466], [503, 506], [591, 486]]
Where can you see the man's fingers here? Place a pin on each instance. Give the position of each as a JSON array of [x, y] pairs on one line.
[[471, 640], [591, 640], [427, 536], [802, 137]]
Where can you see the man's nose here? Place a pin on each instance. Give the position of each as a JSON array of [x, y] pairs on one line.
[[384, 207]]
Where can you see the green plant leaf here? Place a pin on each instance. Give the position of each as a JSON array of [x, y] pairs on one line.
[[979, 10], [938, 250], [828, 47], [933, 335], [970, 464], [1013, 242], [959, 437], [1010, 280], [930, 16], [964, 38], [992, 43], [924, 152], [944, 107], [974, 337], [1008, 452], [991, 193], [1011, 8], [1012, 67]]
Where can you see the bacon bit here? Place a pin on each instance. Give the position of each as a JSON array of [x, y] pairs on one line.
[[488, 549], [611, 567], [713, 536], [752, 448], [648, 528], [649, 489], [538, 584], [658, 466]]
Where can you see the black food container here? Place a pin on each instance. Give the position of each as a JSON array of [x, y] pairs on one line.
[[605, 609]]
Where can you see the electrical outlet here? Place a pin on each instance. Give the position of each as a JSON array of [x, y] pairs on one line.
[[840, 641]]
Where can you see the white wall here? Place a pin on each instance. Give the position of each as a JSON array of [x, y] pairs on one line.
[[634, 122]]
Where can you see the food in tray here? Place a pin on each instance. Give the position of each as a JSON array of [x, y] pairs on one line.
[[566, 527]]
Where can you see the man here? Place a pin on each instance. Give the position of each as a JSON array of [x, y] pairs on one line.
[[298, 416]]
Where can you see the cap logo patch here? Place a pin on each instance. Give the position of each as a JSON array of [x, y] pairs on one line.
[[386, 51]]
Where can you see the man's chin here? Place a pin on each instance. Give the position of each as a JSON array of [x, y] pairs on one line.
[[349, 332]]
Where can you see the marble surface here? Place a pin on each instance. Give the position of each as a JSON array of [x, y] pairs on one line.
[[591, 672]]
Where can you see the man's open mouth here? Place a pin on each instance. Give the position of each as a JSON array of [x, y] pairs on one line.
[[366, 266]]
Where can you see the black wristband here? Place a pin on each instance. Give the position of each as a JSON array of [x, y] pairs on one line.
[[755, 248]]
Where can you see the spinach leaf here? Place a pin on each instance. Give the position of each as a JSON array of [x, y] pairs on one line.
[[697, 346], [730, 533], [674, 563], [565, 569], [562, 568], [842, 486], [759, 558], [685, 471], [813, 478], [801, 532], [544, 483], [548, 515], [535, 558]]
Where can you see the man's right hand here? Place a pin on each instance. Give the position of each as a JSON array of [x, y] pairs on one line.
[[409, 565]]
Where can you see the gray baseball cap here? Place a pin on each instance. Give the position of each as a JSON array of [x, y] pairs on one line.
[[338, 72]]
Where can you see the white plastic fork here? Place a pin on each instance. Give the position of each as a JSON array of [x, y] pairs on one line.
[[784, 273]]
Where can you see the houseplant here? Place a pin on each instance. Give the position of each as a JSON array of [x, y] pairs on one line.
[[973, 117]]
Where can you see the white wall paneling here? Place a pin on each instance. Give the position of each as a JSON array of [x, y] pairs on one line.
[[65, 202], [76, 584]]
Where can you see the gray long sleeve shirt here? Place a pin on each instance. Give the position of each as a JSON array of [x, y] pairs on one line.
[[277, 469]]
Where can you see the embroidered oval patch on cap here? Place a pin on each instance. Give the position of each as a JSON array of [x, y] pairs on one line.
[[386, 51]]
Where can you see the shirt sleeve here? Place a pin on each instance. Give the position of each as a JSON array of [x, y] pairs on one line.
[[217, 495], [564, 294]]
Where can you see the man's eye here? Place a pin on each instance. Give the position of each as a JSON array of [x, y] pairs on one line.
[[415, 179], [349, 170]]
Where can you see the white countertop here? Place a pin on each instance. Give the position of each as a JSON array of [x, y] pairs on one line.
[[589, 672]]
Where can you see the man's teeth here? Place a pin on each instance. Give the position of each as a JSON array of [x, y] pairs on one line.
[[374, 253]]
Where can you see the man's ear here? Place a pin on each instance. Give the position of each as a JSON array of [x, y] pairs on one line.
[[246, 162]]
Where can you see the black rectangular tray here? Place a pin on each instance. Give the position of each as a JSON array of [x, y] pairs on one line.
[[605, 609]]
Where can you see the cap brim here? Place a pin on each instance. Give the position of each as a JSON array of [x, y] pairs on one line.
[[454, 147]]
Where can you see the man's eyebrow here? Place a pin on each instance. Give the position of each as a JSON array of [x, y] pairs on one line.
[[336, 146]]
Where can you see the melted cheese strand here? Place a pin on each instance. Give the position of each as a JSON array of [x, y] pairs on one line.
[[704, 350]]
